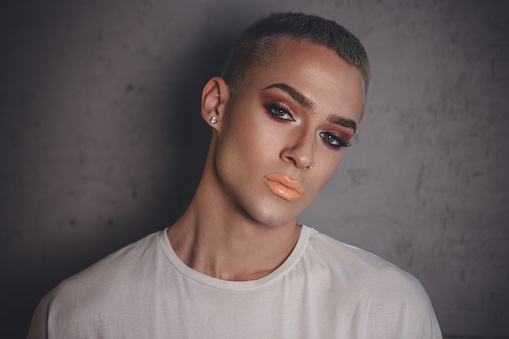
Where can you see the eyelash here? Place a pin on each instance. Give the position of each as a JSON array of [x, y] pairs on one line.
[[273, 108], [340, 142]]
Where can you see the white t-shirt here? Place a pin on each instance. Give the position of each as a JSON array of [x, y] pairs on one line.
[[325, 289]]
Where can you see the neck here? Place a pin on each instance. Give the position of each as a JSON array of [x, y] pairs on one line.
[[217, 238]]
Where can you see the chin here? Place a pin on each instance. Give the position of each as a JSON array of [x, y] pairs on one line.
[[272, 216]]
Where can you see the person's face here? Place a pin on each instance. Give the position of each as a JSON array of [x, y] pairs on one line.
[[292, 119]]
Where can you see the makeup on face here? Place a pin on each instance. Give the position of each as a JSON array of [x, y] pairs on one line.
[[302, 107], [339, 131], [284, 187]]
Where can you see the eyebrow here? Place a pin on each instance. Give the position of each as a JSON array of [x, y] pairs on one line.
[[348, 123], [309, 104], [296, 95]]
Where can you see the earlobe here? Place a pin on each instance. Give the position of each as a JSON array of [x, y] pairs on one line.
[[214, 98]]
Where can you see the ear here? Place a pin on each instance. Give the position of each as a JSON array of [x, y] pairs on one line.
[[213, 101]]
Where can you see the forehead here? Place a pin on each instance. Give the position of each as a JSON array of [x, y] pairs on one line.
[[316, 71]]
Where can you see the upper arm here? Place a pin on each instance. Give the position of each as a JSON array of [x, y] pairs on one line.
[[38, 326]]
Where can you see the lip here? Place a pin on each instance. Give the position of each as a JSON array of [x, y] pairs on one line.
[[284, 187]]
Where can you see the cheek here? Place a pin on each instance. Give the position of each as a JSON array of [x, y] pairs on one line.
[[246, 141], [257, 138], [325, 171]]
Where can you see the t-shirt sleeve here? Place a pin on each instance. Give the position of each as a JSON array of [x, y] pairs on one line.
[[404, 309], [420, 321], [38, 327]]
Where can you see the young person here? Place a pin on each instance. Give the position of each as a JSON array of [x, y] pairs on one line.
[[237, 264]]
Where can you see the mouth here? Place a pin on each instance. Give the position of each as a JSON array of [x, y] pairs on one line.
[[284, 187]]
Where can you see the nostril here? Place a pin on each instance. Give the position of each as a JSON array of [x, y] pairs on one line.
[[292, 160]]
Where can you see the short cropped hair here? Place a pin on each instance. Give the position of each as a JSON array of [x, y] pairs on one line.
[[257, 44]]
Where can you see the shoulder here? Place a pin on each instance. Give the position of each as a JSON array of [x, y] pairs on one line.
[[101, 287], [381, 295], [119, 267], [357, 264]]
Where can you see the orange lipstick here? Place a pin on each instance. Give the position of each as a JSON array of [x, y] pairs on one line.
[[284, 187]]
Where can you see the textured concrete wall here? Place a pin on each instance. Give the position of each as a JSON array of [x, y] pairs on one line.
[[101, 140]]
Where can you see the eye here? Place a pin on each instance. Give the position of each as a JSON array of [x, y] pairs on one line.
[[333, 140], [279, 113]]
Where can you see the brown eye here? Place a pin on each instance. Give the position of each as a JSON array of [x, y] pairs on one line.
[[333, 140], [329, 138], [279, 112]]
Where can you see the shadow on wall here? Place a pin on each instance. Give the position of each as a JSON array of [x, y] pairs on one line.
[[26, 279], [193, 133]]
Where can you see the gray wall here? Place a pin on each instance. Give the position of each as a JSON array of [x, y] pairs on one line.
[[101, 140]]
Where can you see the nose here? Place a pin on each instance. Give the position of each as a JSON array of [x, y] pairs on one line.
[[300, 151]]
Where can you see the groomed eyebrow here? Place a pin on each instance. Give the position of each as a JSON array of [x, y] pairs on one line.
[[296, 95], [338, 120], [310, 105]]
